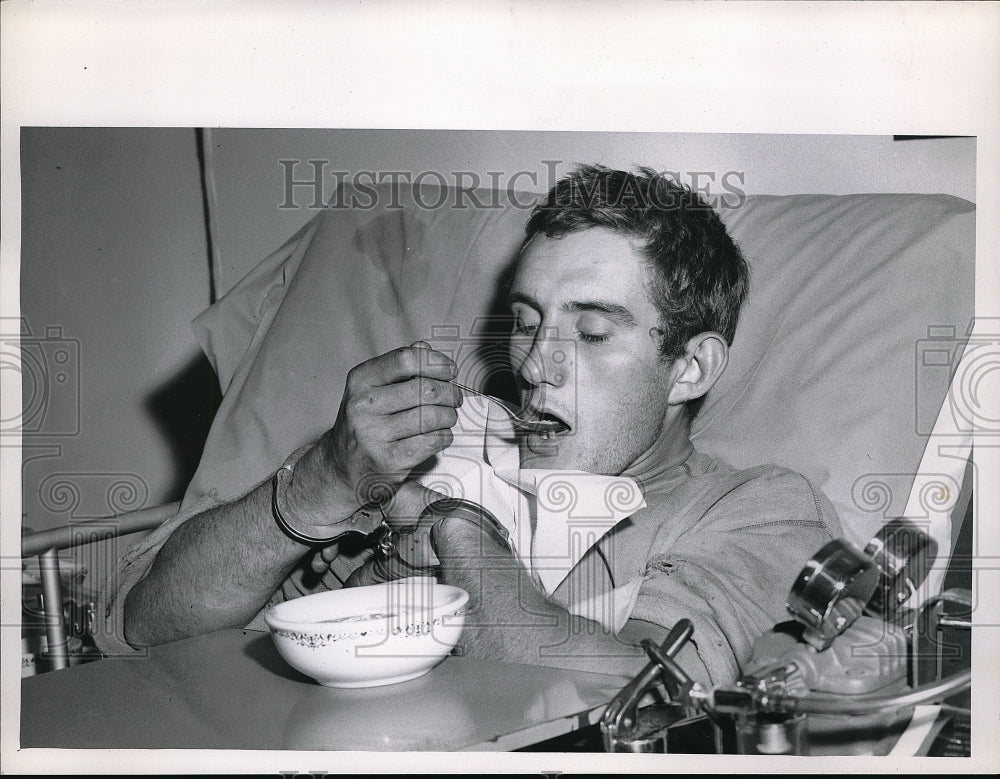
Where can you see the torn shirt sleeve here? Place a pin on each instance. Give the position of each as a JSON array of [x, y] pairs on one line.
[[730, 568]]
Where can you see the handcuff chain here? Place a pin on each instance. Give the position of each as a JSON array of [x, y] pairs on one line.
[[388, 537]]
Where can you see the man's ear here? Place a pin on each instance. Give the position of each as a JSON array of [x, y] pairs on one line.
[[696, 371]]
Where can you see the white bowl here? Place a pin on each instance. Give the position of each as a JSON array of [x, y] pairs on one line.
[[369, 636]]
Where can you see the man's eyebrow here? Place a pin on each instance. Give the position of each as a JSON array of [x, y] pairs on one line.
[[613, 311], [520, 297]]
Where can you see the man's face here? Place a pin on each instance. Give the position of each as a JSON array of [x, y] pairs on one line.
[[585, 350]]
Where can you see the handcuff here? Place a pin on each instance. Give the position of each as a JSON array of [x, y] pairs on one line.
[[412, 544], [364, 520]]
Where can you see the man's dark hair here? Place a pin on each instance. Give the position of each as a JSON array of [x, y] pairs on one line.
[[699, 279]]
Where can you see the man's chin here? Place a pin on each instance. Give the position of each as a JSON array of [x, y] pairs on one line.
[[537, 452], [551, 454], [555, 455]]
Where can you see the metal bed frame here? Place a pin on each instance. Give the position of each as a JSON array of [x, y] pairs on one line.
[[46, 545]]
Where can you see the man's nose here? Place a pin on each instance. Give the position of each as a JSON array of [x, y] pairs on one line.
[[548, 361]]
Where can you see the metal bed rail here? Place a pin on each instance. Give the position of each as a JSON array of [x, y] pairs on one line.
[[46, 545]]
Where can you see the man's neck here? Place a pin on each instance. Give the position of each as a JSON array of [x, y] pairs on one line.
[[672, 448]]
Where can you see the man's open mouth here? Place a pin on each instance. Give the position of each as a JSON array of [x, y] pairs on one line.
[[544, 424]]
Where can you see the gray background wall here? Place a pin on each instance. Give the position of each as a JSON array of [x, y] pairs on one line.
[[113, 268]]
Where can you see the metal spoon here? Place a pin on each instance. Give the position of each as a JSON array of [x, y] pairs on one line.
[[532, 423]]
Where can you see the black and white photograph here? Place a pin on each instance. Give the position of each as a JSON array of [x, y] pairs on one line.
[[338, 432]]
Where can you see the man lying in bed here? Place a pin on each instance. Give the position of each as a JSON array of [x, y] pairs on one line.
[[642, 275]]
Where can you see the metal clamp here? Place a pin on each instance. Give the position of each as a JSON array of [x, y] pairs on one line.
[[620, 722], [904, 555], [831, 591]]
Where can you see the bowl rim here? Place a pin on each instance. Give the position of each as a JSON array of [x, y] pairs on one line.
[[457, 601]]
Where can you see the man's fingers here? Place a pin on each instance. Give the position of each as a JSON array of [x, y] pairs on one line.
[[398, 410], [410, 452], [415, 421], [404, 395], [402, 364]]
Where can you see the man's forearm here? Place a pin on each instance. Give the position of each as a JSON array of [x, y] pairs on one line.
[[219, 568], [215, 571], [510, 620], [531, 629]]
